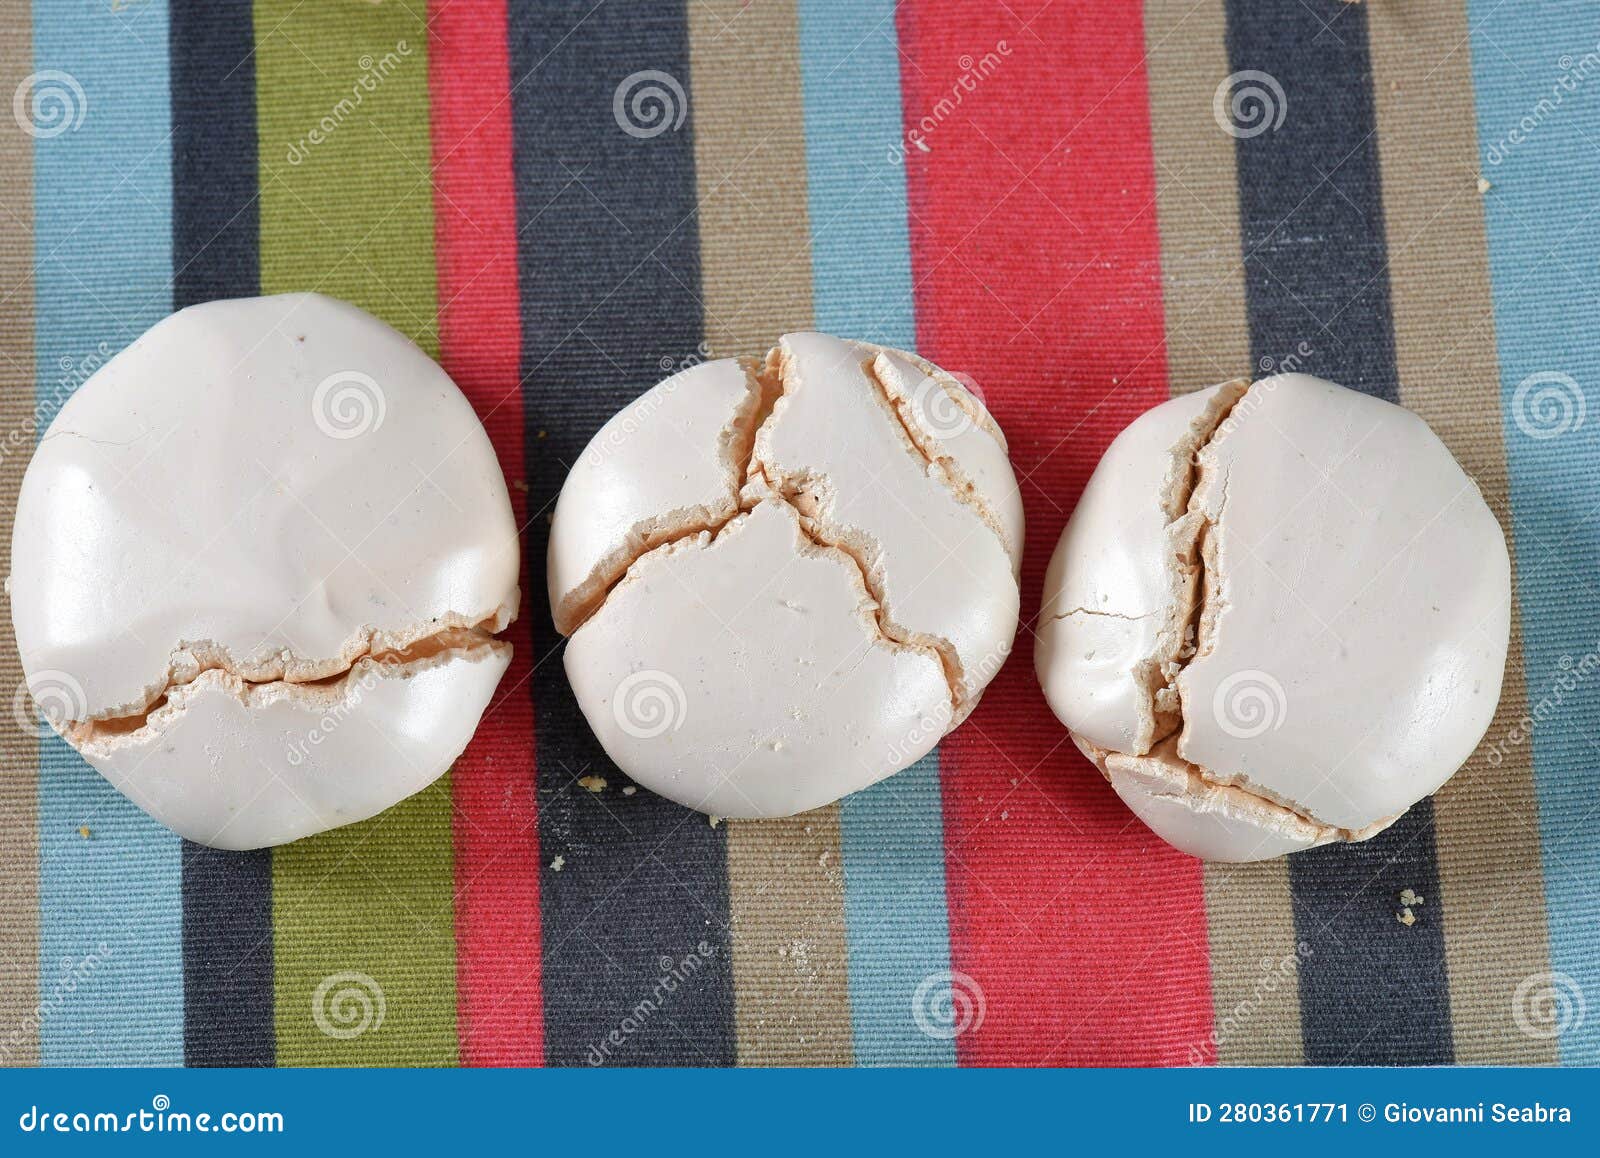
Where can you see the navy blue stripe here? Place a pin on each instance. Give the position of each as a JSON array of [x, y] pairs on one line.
[[215, 223], [227, 896], [1372, 991], [609, 277]]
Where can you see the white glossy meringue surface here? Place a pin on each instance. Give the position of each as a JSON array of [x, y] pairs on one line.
[[785, 581], [1278, 617], [252, 499]]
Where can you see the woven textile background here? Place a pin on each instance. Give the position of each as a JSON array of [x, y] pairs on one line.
[[1086, 206]]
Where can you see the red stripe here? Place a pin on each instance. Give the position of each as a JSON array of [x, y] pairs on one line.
[[499, 1001], [1037, 266]]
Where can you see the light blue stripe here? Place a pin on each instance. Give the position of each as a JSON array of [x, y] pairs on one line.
[[860, 250], [1543, 216], [893, 833], [110, 904], [896, 917]]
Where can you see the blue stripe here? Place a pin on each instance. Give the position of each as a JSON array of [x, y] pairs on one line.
[[1544, 244], [897, 923], [629, 286], [227, 896], [110, 907], [1316, 276]]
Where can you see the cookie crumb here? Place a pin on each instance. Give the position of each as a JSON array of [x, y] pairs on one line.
[[1406, 917], [1483, 185], [558, 864], [629, 790], [1409, 898], [595, 784], [84, 832], [715, 820]]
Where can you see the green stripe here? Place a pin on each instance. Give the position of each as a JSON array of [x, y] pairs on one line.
[[346, 209]]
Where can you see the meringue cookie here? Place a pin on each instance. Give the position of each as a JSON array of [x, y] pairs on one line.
[[784, 581], [258, 563], [1277, 618]]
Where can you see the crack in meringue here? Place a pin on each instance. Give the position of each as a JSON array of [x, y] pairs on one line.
[[752, 481], [214, 669], [1193, 537]]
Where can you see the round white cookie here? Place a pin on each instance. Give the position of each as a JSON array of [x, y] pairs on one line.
[[1277, 618], [784, 581], [258, 563]]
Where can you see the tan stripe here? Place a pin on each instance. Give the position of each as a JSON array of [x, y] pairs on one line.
[[1486, 818], [1254, 963], [1197, 196], [750, 165], [19, 750], [786, 891], [790, 977]]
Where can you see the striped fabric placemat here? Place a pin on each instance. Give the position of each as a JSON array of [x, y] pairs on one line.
[[1086, 207]]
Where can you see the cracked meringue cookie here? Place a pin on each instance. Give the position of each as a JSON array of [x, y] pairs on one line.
[[257, 569], [785, 580], [1277, 618]]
